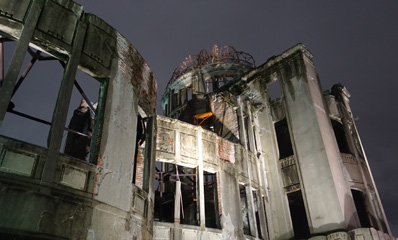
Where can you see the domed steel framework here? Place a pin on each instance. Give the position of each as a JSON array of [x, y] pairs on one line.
[[217, 55]]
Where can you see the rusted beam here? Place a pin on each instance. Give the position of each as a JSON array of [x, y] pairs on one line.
[[25, 73], [217, 55], [77, 85], [44, 122]]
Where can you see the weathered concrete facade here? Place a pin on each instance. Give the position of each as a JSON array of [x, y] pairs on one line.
[[49, 195], [293, 164], [230, 160]]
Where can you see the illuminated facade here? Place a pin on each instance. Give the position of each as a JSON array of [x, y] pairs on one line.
[[285, 156], [243, 151]]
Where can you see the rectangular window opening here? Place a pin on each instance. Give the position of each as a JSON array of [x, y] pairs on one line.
[[139, 158], [189, 93], [283, 139], [211, 200], [244, 209], [189, 213], [164, 192], [298, 215], [266, 220], [31, 107], [174, 100], [209, 85], [255, 202], [165, 203], [247, 125], [82, 118], [274, 90], [183, 96], [341, 139], [362, 210]]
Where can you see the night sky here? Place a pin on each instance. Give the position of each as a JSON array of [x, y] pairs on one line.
[[353, 42]]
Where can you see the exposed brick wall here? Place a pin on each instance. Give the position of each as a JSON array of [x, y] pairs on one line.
[[225, 118], [225, 150], [219, 193], [139, 176]]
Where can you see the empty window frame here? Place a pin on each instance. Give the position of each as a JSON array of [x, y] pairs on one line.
[[189, 92], [189, 213], [274, 90], [139, 158], [266, 219], [174, 100], [29, 112], [86, 108], [283, 139], [211, 200], [244, 209], [218, 81], [164, 193], [165, 202], [209, 85], [362, 210], [31, 106], [256, 211], [183, 96], [247, 125], [341, 139], [298, 215]]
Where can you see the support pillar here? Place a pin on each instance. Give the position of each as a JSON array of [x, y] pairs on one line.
[[62, 105], [14, 68], [202, 217]]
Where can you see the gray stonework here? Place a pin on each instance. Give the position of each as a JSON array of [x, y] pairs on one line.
[[46, 194], [298, 155], [229, 160]]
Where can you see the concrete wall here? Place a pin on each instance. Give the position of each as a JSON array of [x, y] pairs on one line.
[[233, 164], [50, 195], [317, 153]]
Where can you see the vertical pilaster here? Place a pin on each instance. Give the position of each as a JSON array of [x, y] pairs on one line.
[[201, 181], [62, 105], [177, 206], [18, 57]]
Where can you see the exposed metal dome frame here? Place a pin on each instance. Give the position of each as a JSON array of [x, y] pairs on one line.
[[226, 54]]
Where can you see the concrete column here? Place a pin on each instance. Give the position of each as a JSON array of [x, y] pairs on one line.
[[201, 84], [250, 131], [244, 140], [242, 133], [321, 175], [177, 141], [276, 204], [262, 216], [150, 155], [18, 57], [177, 206], [62, 105], [201, 182]]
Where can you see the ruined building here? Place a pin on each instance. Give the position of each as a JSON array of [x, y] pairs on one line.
[[243, 151]]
